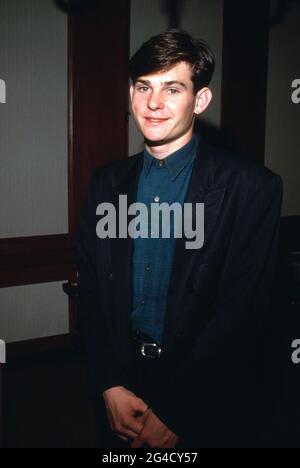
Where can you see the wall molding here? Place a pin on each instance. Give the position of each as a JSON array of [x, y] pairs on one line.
[[37, 259], [23, 350]]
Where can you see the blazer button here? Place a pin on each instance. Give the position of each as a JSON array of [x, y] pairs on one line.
[[110, 276]]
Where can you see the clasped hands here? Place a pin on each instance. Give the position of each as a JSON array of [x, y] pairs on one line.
[[131, 418]]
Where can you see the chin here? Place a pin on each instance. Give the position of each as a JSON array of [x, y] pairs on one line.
[[154, 137], [158, 141]]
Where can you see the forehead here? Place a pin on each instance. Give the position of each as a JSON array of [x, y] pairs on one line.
[[180, 72]]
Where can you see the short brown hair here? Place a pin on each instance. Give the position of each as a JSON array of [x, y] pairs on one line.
[[162, 52]]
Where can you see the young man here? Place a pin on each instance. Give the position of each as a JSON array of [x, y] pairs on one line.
[[175, 335]]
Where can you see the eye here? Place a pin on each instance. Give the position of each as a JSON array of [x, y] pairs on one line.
[[143, 89], [173, 91]]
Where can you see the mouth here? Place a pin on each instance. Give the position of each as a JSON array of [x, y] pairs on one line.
[[155, 121]]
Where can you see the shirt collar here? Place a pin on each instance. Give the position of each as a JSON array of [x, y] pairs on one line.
[[176, 161]]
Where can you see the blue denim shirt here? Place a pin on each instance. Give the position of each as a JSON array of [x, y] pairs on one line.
[[160, 181]]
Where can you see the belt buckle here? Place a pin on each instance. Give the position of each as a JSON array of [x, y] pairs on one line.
[[152, 346]]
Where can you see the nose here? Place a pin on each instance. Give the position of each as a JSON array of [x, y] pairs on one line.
[[155, 102]]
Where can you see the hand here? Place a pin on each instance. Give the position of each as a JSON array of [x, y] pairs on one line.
[[124, 409], [154, 433]]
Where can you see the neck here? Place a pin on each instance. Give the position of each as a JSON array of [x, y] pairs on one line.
[[163, 150]]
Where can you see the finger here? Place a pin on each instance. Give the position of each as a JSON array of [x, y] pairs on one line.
[[140, 405], [142, 415], [138, 442], [131, 434], [137, 422], [138, 428], [128, 432], [134, 426], [132, 430], [140, 424]]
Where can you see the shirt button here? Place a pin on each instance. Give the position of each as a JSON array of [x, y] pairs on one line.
[[161, 163], [142, 302], [148, 268], [156, 199]]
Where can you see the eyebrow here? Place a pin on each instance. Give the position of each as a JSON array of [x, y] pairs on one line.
[[165, 83]]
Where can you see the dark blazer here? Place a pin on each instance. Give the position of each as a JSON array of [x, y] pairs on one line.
[[218, 299]]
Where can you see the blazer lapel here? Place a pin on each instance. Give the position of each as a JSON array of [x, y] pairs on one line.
[[201, 190], [125, 183]]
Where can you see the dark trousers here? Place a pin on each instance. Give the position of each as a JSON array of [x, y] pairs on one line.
[[145, 383]]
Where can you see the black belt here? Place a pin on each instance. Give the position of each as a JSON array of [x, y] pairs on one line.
[[145, 347]]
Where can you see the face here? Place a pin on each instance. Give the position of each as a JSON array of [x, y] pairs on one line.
[[164, 104]]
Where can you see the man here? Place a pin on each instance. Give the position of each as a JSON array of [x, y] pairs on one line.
[[175, 336]]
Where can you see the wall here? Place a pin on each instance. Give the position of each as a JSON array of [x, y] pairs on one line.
[[33, 149], [33, 122], [282, 153], [34, 311], [202, 19]]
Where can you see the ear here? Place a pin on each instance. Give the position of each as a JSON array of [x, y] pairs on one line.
[[203, 98], [131, 91]]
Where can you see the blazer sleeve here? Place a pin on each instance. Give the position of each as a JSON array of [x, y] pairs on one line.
[[220, 365], [103, 369]]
